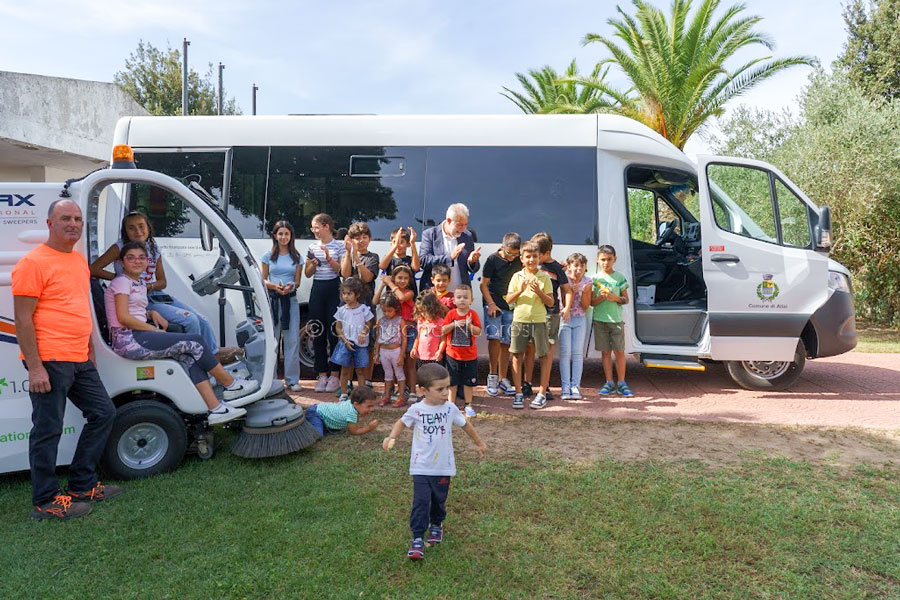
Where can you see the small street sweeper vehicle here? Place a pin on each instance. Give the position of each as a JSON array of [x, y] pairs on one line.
[[160, 415]]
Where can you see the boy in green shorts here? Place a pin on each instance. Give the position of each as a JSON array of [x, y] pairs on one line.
[[609, 294], [530, 290]]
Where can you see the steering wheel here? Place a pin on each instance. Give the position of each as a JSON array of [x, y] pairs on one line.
[[668, 235]]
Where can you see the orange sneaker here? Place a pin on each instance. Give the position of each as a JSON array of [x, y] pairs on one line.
[[61, 508], [98, 494]]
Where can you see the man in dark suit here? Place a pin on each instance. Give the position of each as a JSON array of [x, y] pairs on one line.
[[450, 244]]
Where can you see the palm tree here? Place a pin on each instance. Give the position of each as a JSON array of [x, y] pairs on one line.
[[549, 93], [677, 68]]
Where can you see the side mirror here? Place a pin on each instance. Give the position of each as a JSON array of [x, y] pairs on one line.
[[206, 236], [823, 229]]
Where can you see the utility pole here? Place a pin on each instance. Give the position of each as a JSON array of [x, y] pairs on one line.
[[184, 78], [221, 110], [254, 98]]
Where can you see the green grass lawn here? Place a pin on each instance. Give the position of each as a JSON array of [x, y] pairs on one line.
[[331, 522], [877, 338]]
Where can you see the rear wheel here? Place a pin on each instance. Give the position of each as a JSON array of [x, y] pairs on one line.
[[767, 375], [307, 337], [148, 437]]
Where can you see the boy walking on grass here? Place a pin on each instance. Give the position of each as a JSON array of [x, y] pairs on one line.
[[609, 294], [530, 290], [431, 460]]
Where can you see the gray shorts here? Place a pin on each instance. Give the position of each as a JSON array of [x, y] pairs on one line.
[[522, 333], [609, 336]]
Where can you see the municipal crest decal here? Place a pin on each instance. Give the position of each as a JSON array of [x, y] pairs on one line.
[[767, 290]]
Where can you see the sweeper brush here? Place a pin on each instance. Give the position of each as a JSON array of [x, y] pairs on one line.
[[274, 427]]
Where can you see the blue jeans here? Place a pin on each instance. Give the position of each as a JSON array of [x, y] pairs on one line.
[[313, 418], [291, 345], [181, 314], [81, 383], [498, 328], [571, 352]]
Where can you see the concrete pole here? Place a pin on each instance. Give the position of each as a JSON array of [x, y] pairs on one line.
[[254, 98], [221, 109], [184, 78]]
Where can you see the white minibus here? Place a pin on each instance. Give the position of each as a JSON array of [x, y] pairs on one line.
[[727, 259]]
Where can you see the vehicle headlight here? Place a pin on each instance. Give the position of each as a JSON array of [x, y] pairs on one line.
[[839, 282]]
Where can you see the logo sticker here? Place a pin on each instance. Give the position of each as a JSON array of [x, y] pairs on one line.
[[767, 290], [3, 384], [145, 373]]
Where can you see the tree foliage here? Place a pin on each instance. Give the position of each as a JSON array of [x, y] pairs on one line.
[[153, 78], [677, 64], [548, 92], [872, 53], [844, 151]]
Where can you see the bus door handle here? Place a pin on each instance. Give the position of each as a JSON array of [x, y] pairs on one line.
[[726, 258]]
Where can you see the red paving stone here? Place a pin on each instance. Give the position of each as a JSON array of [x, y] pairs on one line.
[[852, 390]]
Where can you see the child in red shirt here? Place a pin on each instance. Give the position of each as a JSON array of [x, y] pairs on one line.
[[461, 327]]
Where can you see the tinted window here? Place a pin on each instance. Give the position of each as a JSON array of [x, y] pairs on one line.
[[379, 185], [168, 214], [525, 190]]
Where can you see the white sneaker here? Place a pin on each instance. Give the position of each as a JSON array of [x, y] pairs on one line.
[[344, 397], [321, 383], [239, 388], [575, 393], [332, 385], [540, 401], [224, 413], [565, 396], [296, 388], [493, 385], [470, 412], [507, 387]]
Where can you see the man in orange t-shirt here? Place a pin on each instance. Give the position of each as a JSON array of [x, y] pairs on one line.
[[51, 295]]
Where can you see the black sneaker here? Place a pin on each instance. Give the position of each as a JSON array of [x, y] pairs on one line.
[[416, 549], [549, 395], [61, 508], [100, 493], [435, 535], [526, 389]]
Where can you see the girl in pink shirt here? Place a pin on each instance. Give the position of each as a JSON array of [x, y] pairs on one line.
[[430, 343]]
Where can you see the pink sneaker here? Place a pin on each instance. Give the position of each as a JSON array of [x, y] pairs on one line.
[[321, 383], [333, 384]]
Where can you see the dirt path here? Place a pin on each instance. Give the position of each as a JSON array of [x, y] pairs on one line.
[[844, 411], [712, 443]]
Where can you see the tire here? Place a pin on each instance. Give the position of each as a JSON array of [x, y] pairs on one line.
[[148, 437], [307, 351], [767, 375]]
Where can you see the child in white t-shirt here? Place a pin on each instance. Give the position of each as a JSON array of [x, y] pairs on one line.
[[352, 322], [431, 460]]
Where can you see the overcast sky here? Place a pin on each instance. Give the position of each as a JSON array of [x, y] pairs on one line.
[[388, 56]]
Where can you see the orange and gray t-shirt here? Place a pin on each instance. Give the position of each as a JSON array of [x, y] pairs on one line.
[[62, 318]]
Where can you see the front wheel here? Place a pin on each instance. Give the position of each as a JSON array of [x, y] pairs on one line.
[[767, 375], [148, 437]]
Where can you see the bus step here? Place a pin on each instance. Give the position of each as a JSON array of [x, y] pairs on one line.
[[682, 363]]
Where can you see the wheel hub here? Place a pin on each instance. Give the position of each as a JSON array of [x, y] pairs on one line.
[[767, 369], [143, 446]]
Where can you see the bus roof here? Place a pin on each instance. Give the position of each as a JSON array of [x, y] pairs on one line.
[[609, 132]]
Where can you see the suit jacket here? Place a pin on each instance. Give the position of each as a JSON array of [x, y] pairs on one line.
[[432, 252]]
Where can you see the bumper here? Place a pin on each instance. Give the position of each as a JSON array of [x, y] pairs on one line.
[[835, 325]]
